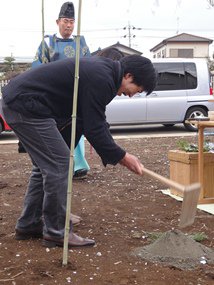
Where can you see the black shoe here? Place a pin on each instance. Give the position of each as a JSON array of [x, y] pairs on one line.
[[21, 148], [79, 174], [37, 232]]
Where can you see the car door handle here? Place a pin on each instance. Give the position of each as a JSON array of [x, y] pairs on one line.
[[154, 95]]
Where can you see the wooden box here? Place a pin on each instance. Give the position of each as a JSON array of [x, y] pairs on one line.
[[184, 170]]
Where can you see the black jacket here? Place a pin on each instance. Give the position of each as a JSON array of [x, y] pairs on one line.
[[47, 91]]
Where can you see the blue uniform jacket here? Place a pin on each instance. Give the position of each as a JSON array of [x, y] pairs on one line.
[[57, 48]]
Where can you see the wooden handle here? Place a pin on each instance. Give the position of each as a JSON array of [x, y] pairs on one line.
[[164, 180]]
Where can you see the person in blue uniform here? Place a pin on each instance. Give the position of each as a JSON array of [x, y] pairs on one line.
[[60, 46]]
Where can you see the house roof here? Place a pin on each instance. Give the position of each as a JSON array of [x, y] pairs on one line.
[[123, 48], [184, 37]]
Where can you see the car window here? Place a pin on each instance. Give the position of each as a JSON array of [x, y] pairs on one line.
[[190, 75], [175, 76]]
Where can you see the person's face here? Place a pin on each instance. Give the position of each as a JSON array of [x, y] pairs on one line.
[[128, 88], [66, 27]]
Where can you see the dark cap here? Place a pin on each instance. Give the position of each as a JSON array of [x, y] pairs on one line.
[[67, 10]]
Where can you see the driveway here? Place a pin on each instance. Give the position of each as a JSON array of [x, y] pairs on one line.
[[125, 132]]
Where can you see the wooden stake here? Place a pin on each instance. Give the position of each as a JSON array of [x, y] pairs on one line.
[[43, 34], [73, 136]]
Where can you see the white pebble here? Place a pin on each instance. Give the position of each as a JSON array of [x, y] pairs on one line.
[[68, 279]]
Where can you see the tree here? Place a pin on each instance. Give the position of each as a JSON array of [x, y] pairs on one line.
[[10, 69], [9, 63], [211, 65]]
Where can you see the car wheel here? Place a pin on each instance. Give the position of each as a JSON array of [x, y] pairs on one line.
[[192, 113], [168, 125]]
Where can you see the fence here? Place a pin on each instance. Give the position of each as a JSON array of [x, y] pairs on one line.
[[3, 83]]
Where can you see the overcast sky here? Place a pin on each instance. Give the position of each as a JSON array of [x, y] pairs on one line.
[[103, 22]]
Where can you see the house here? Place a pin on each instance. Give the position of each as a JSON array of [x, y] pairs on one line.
[[124, 49], [183, 45]]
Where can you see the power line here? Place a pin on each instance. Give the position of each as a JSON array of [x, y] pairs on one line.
[[211, 2], [108, 30]]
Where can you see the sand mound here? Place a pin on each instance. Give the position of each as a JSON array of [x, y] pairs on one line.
[[176, 249]]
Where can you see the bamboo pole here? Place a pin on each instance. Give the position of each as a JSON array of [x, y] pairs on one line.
[[43, 34], [73, 136]]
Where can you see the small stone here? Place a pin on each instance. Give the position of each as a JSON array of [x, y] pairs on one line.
[[68, 279]]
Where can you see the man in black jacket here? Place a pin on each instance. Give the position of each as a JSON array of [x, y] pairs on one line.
[[39, 100]]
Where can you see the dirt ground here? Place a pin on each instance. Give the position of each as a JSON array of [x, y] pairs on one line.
[[120, 210]]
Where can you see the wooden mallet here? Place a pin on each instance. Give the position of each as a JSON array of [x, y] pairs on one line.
[[190, 195]]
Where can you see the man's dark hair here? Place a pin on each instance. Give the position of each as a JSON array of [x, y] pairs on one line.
[[142, 70]]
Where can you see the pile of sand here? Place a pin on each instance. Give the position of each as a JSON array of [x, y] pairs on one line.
[[176, 249]]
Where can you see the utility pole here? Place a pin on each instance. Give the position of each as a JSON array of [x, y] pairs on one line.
[[178, 22], [130, 35], [211, 2]]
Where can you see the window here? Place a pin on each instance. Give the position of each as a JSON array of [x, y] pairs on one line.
[[164, 53], [185, 53], [176, 76], [159, 54], [173, 52]]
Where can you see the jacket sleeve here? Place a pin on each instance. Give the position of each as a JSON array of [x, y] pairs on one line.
[[96, 129], [84, 48], [38, 60]]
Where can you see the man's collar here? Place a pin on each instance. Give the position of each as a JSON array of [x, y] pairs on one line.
[[60, 37]]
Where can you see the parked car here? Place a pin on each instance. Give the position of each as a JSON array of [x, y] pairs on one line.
[[183, 91], [3, 125]]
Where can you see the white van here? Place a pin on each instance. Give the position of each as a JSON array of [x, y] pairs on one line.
[[183, 91]]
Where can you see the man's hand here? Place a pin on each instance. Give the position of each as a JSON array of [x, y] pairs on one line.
[[132, 163]]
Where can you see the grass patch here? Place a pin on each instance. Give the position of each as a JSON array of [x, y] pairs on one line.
[[199, 237]]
